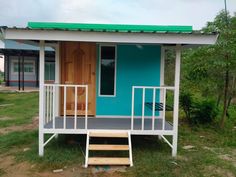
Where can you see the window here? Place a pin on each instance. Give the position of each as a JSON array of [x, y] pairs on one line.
[[50, 71], [28, 67], [107, 70]]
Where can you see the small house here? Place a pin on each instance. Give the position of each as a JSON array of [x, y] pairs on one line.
[[109, 81]]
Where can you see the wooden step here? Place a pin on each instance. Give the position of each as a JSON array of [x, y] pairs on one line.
[[108, 161], [106, 147], [109, 134]]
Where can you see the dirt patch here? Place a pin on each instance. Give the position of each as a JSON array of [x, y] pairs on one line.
[[216, 171], [10, 167], [5, 118], [229, 158], [33, 125]]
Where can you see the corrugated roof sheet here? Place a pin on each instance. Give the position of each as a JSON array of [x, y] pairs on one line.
[[110, 27]]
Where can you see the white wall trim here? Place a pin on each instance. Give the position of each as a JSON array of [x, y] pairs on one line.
[[110, 37]]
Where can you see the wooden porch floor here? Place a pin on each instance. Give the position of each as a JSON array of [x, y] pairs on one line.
[[108, 124]]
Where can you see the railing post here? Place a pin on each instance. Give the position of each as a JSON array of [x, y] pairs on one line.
[[86, 108], [132, 109], [54, 105], [164, 109], [50, 103], [153, 108], [64, 108], [47, 103], [75, 116], [143, 108]]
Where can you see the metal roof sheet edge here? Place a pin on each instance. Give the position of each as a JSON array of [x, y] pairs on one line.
[[109, 27]]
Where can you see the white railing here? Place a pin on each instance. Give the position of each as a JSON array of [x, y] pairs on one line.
[[52, 111], [162, 100]]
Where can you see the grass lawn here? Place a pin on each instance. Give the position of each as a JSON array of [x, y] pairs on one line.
[[19, 108], [213, 154]]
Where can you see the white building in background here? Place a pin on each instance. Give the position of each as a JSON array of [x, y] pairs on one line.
[[1, 62]]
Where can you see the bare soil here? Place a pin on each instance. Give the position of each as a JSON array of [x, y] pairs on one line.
[[33, 125]]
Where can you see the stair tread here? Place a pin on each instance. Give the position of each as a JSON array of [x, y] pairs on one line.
[[108, 161], [109, 134], [106, 147]]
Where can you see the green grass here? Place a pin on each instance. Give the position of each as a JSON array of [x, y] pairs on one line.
[[17, 140], [24, 106], [58, 153], [151, 156]]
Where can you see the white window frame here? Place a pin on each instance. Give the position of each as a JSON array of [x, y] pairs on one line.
[[99, 62], [25, 73]]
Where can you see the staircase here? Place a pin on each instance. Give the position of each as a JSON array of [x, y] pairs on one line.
[[108, 147]]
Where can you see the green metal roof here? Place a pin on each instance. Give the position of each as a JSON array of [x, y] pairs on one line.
[[109, 27]]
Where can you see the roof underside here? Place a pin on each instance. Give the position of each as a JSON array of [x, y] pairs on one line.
[[110, 27]]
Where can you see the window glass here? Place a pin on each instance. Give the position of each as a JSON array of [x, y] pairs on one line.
[[28, 67], [49, 71], [107, 70]]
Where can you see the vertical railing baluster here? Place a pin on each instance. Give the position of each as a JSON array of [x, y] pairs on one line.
[[153, 108], [47, 103], [53, 105], [143, 108], [164, 109], [64, 116], [132, 113], [75, 116], [45, 106], [50, 103], [86, 108]]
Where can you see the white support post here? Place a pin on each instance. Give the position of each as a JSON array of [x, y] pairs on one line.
[[87, 150], [130, 149], [57, 77], [162, 79], [41, 97], [176, 100]]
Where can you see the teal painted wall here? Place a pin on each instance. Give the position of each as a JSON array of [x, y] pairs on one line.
[[136, 65]]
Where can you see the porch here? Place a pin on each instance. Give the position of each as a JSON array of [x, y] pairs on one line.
[[151, 120]]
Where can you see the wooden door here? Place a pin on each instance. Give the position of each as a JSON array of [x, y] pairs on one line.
[[78, 66]]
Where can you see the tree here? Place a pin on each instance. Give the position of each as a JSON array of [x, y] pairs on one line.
[[213, 68]]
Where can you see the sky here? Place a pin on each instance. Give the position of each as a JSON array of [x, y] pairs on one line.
[[154, 12], [195, 13]]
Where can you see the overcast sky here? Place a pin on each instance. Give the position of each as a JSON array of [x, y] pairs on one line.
[[154, 12]]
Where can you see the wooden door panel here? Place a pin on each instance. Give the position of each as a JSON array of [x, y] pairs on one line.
[[78, 66]]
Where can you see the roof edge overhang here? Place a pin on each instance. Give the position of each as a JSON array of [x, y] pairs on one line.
[[109, 37]]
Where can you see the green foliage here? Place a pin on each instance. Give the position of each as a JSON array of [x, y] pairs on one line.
[[198, 111], [186, 102], [204, 112], [210, 71]]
